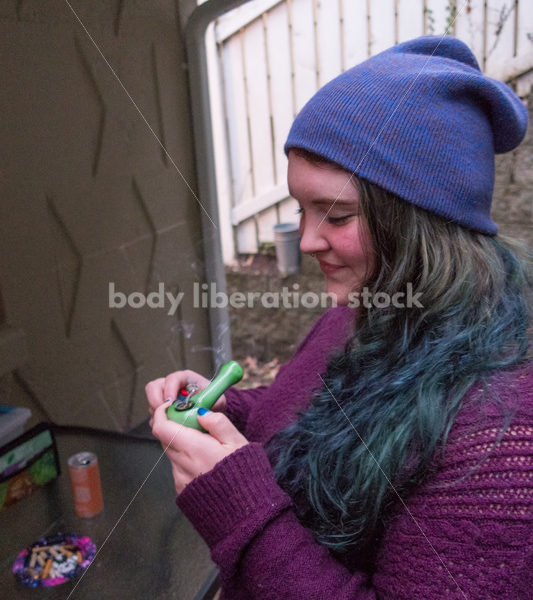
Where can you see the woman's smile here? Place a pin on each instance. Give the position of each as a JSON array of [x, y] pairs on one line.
[[328, 268]]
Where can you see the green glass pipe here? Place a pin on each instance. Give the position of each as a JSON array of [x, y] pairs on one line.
[[229, 374]]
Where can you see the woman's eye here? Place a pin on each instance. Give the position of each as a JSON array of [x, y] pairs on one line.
[[338, 220], [299, 211]]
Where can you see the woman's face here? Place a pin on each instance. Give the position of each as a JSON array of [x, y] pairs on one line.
[[331, 224]]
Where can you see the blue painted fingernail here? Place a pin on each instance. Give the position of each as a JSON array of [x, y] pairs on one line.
[[202, 411]]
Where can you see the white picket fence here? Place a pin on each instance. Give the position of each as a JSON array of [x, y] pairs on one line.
[[268, 57]]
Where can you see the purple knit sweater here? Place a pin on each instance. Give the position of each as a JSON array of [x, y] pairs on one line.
[[460, 536]]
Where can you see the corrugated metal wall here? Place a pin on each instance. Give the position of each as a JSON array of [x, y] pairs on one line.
[[271, 56]]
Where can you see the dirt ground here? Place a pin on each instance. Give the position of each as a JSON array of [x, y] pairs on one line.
[[263, 338]]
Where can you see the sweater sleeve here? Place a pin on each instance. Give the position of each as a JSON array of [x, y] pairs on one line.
[[464, 535], [239, 401], [255, 538]]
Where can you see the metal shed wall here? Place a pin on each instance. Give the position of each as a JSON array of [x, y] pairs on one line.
[[89, 198]]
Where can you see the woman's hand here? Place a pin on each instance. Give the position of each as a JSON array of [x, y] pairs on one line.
[[192, 452], [160, 390]]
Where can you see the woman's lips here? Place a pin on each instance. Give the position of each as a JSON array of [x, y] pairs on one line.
[[328, 268]]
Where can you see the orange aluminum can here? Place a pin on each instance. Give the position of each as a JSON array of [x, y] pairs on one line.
[[86, 486]]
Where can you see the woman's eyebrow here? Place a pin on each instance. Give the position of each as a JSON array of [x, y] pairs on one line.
[[343, 202]]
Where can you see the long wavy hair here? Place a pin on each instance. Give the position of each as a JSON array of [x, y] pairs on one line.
[[389, 399]]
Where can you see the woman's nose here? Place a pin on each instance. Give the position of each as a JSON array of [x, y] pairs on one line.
[[312, 239]]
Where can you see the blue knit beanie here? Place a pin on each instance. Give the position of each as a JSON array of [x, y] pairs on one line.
[[419, 120]]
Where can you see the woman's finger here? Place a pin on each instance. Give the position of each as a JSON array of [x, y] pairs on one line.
[[178, 380], [154, 393], [173, 383], [221, 428], [165, 430]]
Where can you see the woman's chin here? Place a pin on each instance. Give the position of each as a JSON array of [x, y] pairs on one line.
[[342, 293], [338, 295]]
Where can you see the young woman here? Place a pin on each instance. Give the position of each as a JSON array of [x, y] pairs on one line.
[[392, 456]]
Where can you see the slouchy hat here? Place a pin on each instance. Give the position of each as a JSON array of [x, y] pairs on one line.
[[420, 120]]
